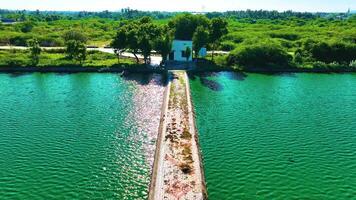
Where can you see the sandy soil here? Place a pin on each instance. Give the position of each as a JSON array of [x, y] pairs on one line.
[[178, 172]]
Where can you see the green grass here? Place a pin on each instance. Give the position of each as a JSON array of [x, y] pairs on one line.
[[56, 58]]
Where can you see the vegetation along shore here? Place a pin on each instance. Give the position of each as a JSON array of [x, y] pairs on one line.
[[255, 41]]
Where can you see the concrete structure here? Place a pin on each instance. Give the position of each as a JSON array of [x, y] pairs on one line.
[[177, 170], [179, 50]]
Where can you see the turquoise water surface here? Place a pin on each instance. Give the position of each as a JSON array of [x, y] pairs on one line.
[[277, 136], [77, 136]]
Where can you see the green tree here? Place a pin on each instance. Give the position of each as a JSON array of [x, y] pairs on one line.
[[163, 45], [298, 58], [27, 26], [260, 55], [82, 52], [141, 35], [218, 29], [200, 39], [145, 46], [75, 35], [75, 45], [133, 40], [35, 51], [119, 44], [188, 53], [185, 25], [76, 50]]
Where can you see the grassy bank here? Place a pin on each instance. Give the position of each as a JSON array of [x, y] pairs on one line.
[[56, 61], [55, 58]]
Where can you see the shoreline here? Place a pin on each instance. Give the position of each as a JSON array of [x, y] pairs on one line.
[[194, 131], [158, 158], [142, 69], [78, 69]]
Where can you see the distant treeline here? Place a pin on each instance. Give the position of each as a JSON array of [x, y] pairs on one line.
[[127, 13]]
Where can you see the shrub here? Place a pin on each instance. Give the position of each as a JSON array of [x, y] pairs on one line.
[[319, 65], [286, 36], [35, 51], [50, 42], [353, 64], [27, 26], [227, 46], [16, 62], [257, 55], [20, 40], [332, 52], [298, 58]]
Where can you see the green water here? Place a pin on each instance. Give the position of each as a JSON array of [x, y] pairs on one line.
[[79, 136], [277, 136]]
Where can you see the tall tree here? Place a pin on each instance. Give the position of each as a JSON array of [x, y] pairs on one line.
[[76, 50], [133, 40], [188, 53], [119, 44], [163, 45], [218, 29], [75, 45], [145, 46], [185, 25], [200, 39], [35, 51]]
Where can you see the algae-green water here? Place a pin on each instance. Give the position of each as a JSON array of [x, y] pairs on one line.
[[277, 136], [77, 136]]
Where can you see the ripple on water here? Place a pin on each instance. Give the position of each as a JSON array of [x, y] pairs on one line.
[[277, 137], [77, 136]]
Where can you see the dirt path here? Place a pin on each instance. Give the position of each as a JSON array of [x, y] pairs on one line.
[[177, 172]]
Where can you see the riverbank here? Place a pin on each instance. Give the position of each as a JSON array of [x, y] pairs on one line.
[[140, 68], [177, 171], [209, 66], [103, 60], [78, 69]]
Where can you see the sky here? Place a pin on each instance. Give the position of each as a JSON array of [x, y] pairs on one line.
[[181, 5]]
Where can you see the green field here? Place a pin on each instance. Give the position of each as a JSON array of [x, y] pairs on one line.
[[255, 40]]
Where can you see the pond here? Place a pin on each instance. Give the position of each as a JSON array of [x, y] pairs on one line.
[[77, 136], [288, 136]]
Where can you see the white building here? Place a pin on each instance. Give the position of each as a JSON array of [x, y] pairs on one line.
[[179, 50]]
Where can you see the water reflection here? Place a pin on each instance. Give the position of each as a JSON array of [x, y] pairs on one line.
[[146, 110], [209, 79]]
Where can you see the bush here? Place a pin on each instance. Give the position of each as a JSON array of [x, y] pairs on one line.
[[227, 46], [50, 42], [286, 36], [298, 58], [20, 40], [263, 54], [332, 52], [16, 62], [353, 64], [334, 66], [27, 26]]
